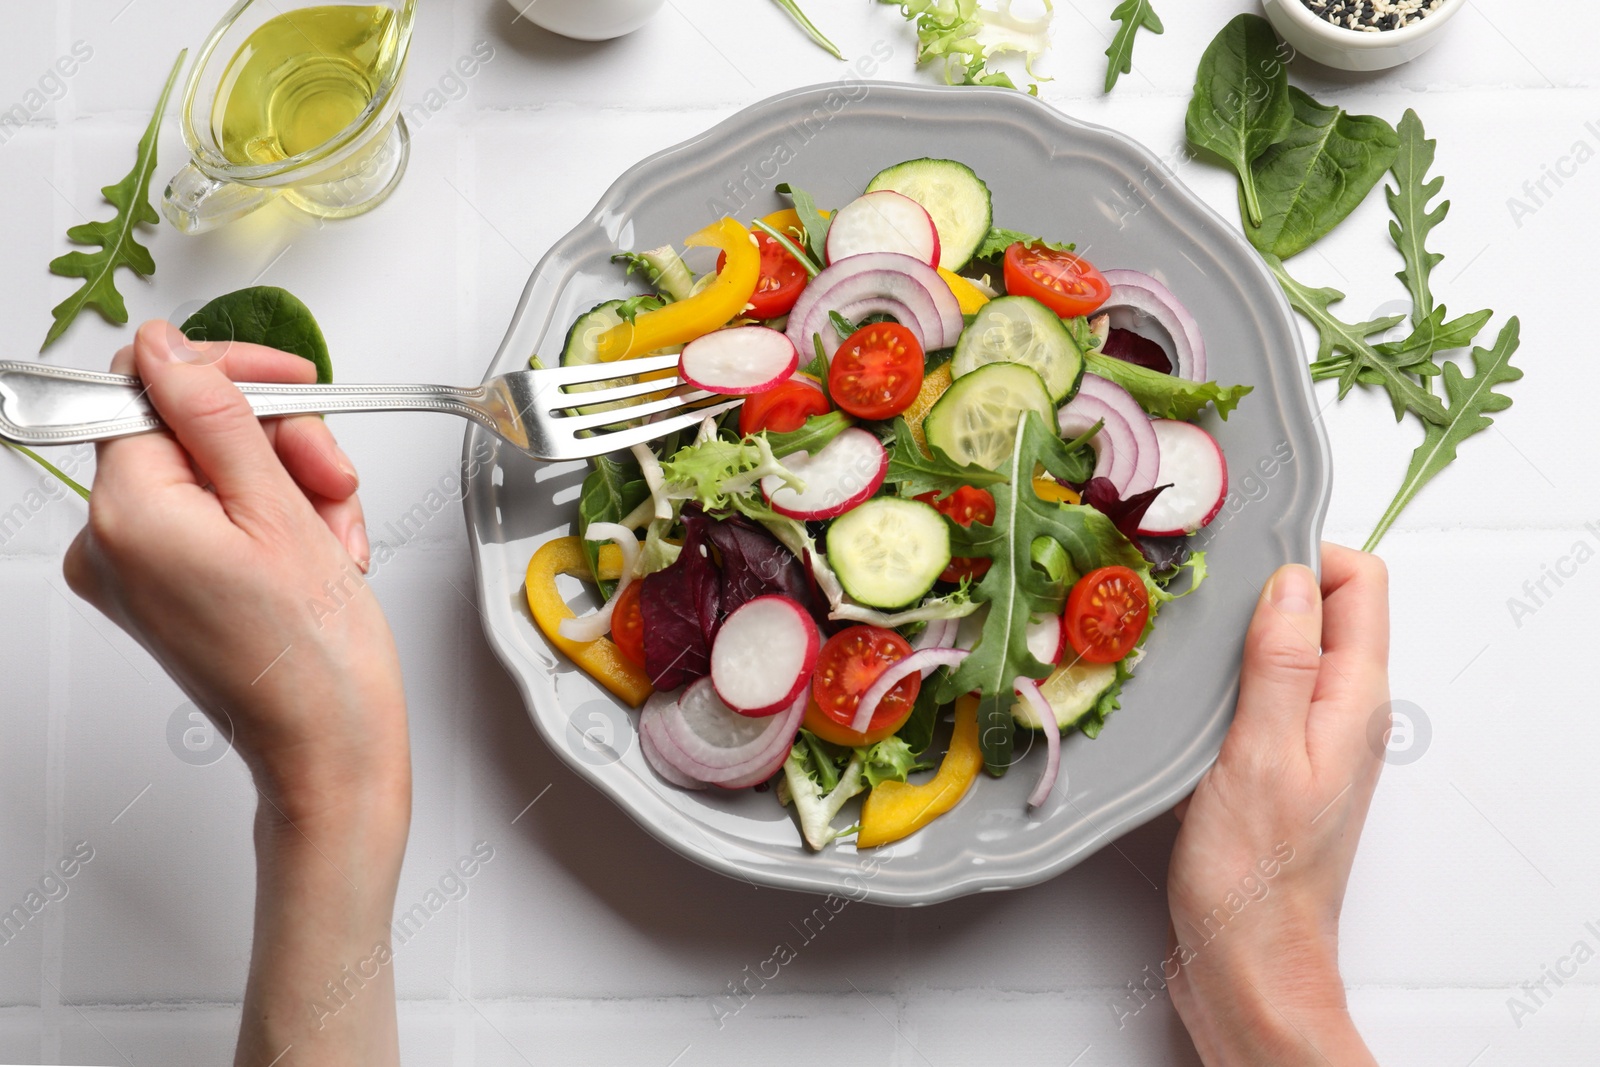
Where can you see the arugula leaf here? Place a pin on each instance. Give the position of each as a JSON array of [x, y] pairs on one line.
[[1014, 589], [818, 367], [811, 31], [798, 254], [1166, 396], [1134, 16], [612, 490], [998, 240], [119, 245], [841, 325], [1405, 392], [915, 472], [817, 431], [1322, 170], [811, 219], [1413, 222], [1414, 353], [1241, 103], [263, 315], [1472, 401]]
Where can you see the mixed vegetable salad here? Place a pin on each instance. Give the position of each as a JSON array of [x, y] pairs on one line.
[[963, 476]]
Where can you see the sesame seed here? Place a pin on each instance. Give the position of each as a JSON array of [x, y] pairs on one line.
[[1373, 16]]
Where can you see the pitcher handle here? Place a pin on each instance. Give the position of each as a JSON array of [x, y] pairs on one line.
[[195, 202]]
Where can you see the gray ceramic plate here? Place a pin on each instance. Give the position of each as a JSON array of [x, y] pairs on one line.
[[1050, 175]]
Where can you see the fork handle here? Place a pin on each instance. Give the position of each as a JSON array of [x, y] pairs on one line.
[[42, 404]]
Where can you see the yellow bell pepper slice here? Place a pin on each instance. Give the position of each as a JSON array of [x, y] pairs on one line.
[[601, 658], [934, 383], [683, 320], [898, 809], [1053, 492], [969, 296]]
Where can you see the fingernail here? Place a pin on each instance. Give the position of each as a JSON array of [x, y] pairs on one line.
[[347, 468], [356, 542], [1293, 591]]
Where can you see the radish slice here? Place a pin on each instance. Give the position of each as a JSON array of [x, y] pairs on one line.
[[709, 741], [1196, 475], [928, 659], [1028, 689], [885, 221], [650, 741], [1047, 637], [1142, 305], [906, 289], [763, 655], [842, 474], [1126, 448], [738, 362], [597, 624]]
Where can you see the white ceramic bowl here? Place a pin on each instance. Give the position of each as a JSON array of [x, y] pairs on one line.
[[588, 20], [1336, 46]]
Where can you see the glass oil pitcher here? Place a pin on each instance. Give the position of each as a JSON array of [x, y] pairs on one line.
[[300, 103]]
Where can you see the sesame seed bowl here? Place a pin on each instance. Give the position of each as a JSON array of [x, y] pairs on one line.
[[1367, 45]]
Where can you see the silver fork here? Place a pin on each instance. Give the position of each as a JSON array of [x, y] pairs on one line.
[[532, 410]]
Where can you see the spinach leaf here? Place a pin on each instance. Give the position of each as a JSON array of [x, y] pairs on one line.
[[1134, 16], [816, 226], [917, 731], [1413, 222], [1014, 589], [1320, 172], [117, 237], [613, 489], [1166, 396], [914, 472], [1352, 339], [263, 315], [1472, 401], [1241, 101]]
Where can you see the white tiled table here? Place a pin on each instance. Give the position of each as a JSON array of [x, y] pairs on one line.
[[583, 941]]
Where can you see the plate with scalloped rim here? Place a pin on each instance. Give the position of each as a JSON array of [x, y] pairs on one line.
[[1050, 175]]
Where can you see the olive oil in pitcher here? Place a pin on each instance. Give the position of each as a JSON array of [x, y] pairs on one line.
[[300, 78]]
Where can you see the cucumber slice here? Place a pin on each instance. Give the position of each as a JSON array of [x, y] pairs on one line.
[[952, 195], [976, 419], [579, 350], [888, 552], [1019, 329], [1072, 690]]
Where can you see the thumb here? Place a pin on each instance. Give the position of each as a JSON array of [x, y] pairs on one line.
[[1282, 657], [208, 415]]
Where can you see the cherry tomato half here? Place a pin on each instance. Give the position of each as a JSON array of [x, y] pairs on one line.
[[1106, 613], [966, 506], [877, 372], [781, 282], [627, 624], [782, 409], [1067, 284], [846, 668]]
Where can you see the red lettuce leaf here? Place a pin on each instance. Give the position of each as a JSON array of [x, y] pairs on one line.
[[1101, 495], [681, 606], [1136, 349]]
